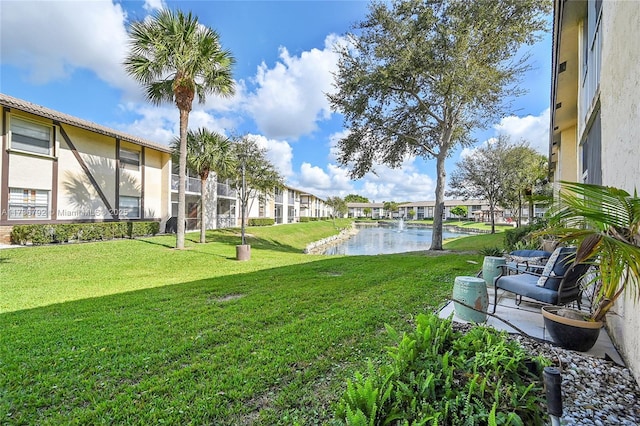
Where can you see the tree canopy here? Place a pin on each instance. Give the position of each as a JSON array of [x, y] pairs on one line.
[[460, 211], [416, 77], [254, 172], [498, 172], [355, 198], [338, 207]]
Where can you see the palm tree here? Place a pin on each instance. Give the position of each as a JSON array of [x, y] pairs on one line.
[[175, 58], [207, 152], [604, 223]]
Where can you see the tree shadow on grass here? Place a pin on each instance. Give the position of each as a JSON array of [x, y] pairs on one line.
[[232, 237]]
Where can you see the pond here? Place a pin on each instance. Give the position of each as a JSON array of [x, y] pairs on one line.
[[381, 239]]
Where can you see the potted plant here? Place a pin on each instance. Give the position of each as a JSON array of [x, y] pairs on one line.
[[604, 225]]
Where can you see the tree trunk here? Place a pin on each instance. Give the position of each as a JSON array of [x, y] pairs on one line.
[[203, 197], [531, 209], [436, 237], [182, 174], [492, 213], [519, 223]]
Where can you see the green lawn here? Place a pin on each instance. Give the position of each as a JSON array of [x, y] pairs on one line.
[[134, 332]]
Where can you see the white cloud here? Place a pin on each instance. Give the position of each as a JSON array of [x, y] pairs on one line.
[[158, 124], [69, 35], [403, 184], [151, 5], [314, 179], [279, 152], [290, 97], [162, 123], [534, 129]]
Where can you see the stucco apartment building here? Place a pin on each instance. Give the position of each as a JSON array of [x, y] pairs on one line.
[[56, 168], [595, 120]]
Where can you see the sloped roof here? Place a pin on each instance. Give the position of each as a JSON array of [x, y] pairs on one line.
[[22, 105]]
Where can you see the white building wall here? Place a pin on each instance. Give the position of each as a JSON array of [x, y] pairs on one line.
[[620, 103]]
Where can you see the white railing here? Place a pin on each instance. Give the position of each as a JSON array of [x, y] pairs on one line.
[[225, 190], [191, 184], [225, 221]]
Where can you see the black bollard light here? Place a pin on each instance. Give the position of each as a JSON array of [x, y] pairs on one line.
[[553, 391]]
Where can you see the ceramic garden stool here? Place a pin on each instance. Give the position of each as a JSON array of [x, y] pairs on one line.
[[491, 268], [471, 291]]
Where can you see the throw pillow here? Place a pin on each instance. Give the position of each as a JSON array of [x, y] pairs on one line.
[[548, 268]]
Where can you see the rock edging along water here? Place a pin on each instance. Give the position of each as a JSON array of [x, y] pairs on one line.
[[317, 247]]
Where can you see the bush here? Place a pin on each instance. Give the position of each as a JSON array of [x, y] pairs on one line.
[[491, 251], [38, 234], [440, 376], [261, 221], [521, 237], [305, 219], [139, 229]]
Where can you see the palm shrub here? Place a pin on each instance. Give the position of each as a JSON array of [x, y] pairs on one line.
[[604, 223]]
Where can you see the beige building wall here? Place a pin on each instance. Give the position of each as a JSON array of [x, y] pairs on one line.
[[155, 185], [568, 157], [77, 198], [620, 102]]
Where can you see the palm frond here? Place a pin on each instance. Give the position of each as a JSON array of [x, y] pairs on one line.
[[603, 222]]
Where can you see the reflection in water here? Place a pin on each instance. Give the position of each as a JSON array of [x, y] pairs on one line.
[[385, 240]]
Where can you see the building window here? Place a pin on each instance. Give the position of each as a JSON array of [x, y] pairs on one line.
[[129, 207], [131, 158], [30, 136], [29, 204], [592, 153]]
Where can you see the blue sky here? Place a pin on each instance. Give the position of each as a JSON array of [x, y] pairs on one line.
[[67, 55]]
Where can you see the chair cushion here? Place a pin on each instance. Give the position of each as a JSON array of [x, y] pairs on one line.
[[525, 285], [531, 253]]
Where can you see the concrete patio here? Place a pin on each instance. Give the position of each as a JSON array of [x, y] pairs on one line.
[[528, 318]]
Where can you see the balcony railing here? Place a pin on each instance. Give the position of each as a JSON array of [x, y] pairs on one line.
[[279, 198], [191, 184], [224, 190], [226, 221]]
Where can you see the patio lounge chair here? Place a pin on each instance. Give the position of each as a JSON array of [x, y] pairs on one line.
[[557, 284]]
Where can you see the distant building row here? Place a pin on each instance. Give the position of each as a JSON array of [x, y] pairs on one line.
[[55, 168], [477, 210]]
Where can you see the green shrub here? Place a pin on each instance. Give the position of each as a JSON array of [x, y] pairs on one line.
[[305, 219], [65, 232], [139, 229], [20, 234], [491, 251], [38, 234], [261, 221], [440, 376]]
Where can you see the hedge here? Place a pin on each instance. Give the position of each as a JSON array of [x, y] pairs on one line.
[[62, 233], [261, 221]]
